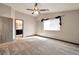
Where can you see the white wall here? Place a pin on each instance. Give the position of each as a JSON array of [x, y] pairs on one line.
[[5, 10], [69, 29], [29, 21]]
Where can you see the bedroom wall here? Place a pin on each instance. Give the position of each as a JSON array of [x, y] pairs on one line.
[[29, 21], [5, 10], [69, 29]]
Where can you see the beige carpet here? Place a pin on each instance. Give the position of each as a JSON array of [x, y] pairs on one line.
[[38, 46]]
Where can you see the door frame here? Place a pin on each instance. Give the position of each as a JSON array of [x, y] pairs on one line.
[[22, 26]]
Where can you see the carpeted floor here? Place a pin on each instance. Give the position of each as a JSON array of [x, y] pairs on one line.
[[38, 46]]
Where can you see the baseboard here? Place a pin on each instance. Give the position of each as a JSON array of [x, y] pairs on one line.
[[31, 35], [52, 38], [57, 39]]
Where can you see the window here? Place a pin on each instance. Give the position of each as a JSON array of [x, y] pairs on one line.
[[52, 24]]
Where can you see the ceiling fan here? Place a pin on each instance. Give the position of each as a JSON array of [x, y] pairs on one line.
[[36, 10]]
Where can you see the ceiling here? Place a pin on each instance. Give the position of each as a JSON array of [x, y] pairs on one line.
[[53, 7]]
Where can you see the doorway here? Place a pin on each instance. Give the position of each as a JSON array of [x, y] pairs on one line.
[[19, 28]]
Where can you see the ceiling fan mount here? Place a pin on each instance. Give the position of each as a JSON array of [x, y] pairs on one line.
[[36, 9]]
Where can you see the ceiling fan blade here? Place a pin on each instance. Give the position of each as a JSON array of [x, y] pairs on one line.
[[43, 9], [30, 9], [32, 12]]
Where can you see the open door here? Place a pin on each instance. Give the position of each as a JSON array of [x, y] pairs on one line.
[[19, 28]]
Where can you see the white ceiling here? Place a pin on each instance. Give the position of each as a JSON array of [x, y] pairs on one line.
[[53, 7]]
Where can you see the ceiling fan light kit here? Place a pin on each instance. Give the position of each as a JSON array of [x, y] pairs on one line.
[[36, 13]]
